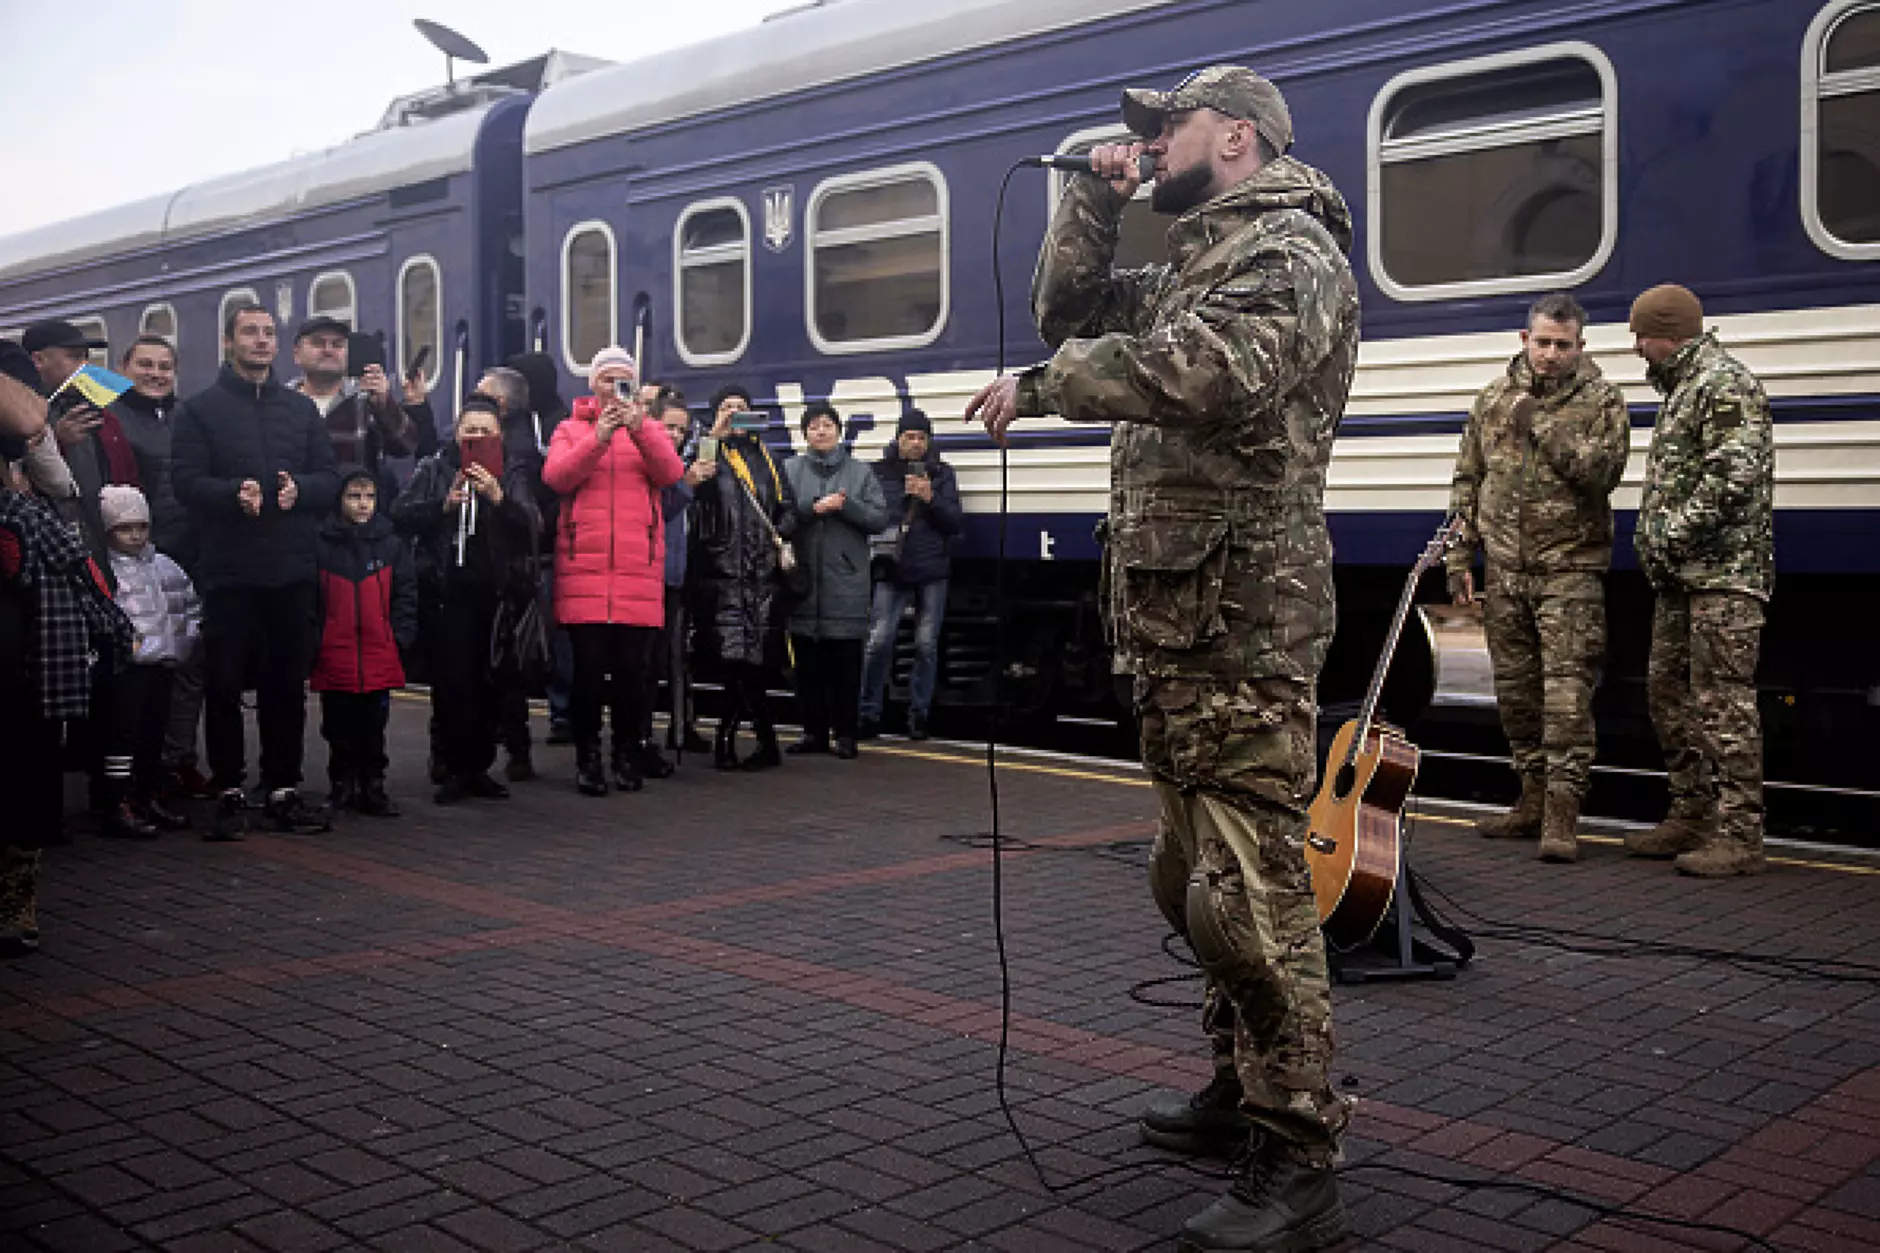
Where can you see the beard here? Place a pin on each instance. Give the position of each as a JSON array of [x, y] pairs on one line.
[[1181, 191]]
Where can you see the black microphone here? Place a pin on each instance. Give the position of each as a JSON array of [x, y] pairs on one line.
[[1145, 164]]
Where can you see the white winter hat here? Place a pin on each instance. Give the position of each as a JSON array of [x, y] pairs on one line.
[[121, 505], [612, 358]]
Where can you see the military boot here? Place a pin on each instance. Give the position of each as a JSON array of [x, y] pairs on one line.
[[1559, 829], [1684, 829], [1207, 1124], [1523, 822], [1277, 1205], [1720, 858]]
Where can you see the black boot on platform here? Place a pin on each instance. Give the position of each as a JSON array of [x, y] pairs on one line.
[[627, 777], [725, 748], [589, 778], [1207, 1124], [1277, 1204]]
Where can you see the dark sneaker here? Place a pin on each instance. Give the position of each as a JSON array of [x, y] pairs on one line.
[[626, 769], [374, 802], [916, 727], [125, 823], [1277, 1205], [231, 818], [589, 778], [846, 750], [520, 768], [344, 794], [450, 791], [652, 765], [486, 788], [287, 811], [1207, 1124]]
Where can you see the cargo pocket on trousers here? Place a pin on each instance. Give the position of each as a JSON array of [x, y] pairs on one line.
[[1172, 572]]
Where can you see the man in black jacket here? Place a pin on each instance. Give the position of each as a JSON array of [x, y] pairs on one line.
[[924, 507], [254, 466]]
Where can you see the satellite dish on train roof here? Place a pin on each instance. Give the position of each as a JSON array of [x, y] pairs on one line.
[[451, 44]]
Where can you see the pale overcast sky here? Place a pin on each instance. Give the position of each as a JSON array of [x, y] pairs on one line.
[[114, 100]]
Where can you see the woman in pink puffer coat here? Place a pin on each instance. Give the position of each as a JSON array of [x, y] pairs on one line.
[[608, 464]]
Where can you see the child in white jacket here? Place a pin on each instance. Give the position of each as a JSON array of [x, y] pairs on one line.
[[166, 615]]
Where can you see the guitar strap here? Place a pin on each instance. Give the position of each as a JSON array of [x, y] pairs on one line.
[[1455, 937]]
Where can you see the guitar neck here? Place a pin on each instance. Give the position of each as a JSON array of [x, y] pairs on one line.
[[1376, 690]]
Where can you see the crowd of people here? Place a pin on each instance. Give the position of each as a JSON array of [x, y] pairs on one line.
[[161, 558]]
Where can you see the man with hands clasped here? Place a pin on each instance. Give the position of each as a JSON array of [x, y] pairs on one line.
[[254, 466]]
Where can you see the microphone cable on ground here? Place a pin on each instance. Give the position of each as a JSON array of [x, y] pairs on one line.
[[997, 841]]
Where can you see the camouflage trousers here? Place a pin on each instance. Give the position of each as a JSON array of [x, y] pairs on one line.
[[19, 889], [1701, 686], [1234, 764], [1547, 639]]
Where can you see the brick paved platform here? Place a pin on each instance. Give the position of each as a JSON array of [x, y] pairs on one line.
[[736, 1012]]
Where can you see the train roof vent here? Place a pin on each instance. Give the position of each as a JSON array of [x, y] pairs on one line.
[[523, 78]]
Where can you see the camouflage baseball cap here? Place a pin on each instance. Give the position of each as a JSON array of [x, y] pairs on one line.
[[1230, 89]]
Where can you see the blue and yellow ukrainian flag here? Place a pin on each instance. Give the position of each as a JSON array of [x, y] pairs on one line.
[[97, 385]]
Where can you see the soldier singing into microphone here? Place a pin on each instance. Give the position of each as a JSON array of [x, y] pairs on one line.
[[1224, 372]]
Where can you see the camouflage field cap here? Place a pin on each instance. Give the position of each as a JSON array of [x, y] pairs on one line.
[[1231, 89]]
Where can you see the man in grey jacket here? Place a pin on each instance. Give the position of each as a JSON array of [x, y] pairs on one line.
[[839, 505]]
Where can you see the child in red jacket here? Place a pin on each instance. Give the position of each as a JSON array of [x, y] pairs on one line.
[[369, 610]]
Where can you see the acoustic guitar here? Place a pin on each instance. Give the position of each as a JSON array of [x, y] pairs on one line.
[[1355, 842]]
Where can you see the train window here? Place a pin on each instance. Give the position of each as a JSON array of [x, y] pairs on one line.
[[589, 306], [876, 260], [332, 295], [232, 300], [711, 281], [1143, 239], [158, 319], [1841, 129], [1498, 174], [421, 316]]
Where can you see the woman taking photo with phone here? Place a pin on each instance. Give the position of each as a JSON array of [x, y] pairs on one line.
[[607, 463], [474, 523], [743, 515]]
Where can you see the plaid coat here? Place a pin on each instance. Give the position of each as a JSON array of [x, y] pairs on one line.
[[74, 622]]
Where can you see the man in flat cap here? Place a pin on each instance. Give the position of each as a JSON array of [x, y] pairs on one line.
[[1543, 448], [1706, 541], [1224, 374]]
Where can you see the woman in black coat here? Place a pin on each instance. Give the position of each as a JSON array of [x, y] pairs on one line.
[[469, 561], [734, 586]]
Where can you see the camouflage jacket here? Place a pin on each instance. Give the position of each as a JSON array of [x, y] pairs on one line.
[[1225, 373], [1706, 522], [1541, 504]]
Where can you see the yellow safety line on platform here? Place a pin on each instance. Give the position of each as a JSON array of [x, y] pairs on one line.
[[1445, 819]]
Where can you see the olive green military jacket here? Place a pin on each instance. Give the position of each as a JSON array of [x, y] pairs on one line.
[[1225, 374], [1706, 523], [1540, 502]]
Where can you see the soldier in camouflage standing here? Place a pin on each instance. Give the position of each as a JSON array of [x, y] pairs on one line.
[[1542, 450], [1225, 373], [1705, 539]]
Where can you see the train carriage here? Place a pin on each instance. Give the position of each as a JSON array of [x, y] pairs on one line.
[[807, 207]]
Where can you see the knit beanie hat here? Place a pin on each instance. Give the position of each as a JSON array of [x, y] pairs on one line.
[[913, 420], [118, 505], [1668, 312], [612, 357]]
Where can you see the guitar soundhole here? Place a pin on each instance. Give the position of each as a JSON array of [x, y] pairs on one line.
[[1347, 778]]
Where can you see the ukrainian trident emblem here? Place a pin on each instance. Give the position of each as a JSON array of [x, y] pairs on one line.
[[779, 212]]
